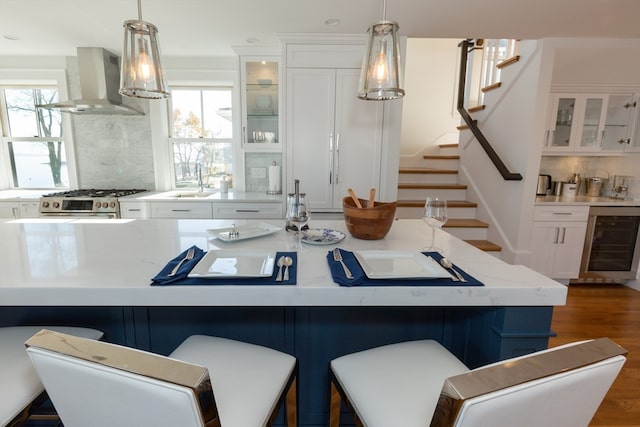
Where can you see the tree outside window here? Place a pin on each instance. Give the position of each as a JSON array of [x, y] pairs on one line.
[[33, 138], [201, 134]]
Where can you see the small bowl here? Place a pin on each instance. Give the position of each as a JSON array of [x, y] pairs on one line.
[[368, 223]]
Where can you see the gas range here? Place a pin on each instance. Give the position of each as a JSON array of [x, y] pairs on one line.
[[85, 202]]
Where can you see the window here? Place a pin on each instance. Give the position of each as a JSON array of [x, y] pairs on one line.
[[32, 138], [201, 134]]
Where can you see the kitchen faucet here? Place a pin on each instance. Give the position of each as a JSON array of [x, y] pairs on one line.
[[199, 172]]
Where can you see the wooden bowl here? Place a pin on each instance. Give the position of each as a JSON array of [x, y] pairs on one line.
[[368, 223]]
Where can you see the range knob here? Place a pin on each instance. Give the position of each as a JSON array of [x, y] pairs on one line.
[[56, 204], [45, 204], [112, 204], [105, 204]]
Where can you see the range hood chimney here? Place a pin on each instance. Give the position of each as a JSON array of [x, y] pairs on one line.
[[99, 72]]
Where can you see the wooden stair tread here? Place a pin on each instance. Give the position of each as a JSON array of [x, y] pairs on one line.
[[440, 157], [449, 145], [450, 204], [432, 186], [476, 108], [491, 87], [465, 223], [484, 245], [428, 171], [508, 61]]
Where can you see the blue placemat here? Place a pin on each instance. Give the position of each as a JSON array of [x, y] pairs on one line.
[[361, 279], [163, 279]]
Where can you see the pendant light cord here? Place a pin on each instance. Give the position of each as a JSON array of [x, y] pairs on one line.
[[384, 10], [140, 10]]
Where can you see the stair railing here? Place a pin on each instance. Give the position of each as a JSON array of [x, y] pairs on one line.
[[472, 124]]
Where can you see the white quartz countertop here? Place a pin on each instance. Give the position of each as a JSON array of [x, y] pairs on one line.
[[205, 196], [110, 262], [585, 201]]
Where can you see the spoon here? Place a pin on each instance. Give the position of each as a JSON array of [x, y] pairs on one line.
[[288, 262], [280, 264], [447, 264]]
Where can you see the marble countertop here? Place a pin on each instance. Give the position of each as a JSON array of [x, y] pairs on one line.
[[585, 201], [158, 196], [110, 262]]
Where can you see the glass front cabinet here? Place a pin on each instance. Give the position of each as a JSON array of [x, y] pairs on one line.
[[260, 103], [592, 123]]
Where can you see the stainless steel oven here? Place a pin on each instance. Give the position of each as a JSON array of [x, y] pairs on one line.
[[90, 203], [611, 249]]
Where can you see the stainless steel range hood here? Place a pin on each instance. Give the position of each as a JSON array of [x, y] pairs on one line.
[[99, 72]]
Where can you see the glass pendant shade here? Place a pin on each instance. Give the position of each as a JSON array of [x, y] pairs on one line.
[[141, 74], [381, 76]]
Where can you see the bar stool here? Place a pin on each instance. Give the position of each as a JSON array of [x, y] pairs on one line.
[[206, 381], [408, 384], [19, 383]]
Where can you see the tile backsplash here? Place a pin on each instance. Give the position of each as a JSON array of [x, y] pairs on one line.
[[562, 168], [256, 167]]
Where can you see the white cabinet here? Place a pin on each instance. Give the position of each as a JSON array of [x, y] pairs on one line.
[[260, 103], [29, 209], [134, 209], [186, 210], [9, 210], [591, 123], [557, 240], [248, 210], [334, 138]]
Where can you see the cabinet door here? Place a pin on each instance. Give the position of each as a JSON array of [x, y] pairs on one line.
[[30, 209], [561, 121], [358, 136], [592, 122], [260, 104], [543, 245], [310, 133], [618, 122], [9, 210], [556, 248], [569, 250]]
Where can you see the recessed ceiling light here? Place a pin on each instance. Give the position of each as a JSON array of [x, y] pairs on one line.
[[253, 40], [332, 22], [10, 37]]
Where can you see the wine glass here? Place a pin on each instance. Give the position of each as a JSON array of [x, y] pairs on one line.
[[299, 214], [435, 215]]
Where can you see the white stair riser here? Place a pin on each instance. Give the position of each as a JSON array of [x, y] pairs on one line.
[[428, 178], [466, 233], [422, 194], [456, 213], [453, 164]]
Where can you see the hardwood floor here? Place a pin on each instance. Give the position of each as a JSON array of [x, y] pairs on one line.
[[594, 311]]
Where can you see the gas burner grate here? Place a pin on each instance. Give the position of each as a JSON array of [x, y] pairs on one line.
[[95, 193]]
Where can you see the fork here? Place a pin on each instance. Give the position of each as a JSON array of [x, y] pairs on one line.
[[190, 254], [337, 256]]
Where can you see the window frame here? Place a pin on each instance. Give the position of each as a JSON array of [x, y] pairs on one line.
[[172, 140], [19, 78]]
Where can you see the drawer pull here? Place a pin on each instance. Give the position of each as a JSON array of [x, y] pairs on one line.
[[562, 213], [180, 210], [248, 210], [134, 210]]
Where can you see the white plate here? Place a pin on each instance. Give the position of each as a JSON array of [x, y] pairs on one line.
[[399, 265], [246, 231], [322, 236], [235, 263]]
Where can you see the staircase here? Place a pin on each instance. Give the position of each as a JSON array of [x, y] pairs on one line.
[[439, 178]]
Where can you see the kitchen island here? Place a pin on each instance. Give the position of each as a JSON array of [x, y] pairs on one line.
[[97, 273]]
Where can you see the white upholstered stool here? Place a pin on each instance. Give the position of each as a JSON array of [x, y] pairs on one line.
[[410, 383], [19, 384], [206, 381]]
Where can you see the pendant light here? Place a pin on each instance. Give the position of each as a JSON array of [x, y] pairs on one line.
[[381, 75], [141, 74]]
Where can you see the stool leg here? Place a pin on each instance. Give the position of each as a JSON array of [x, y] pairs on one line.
[[291, 403], [335, 401]]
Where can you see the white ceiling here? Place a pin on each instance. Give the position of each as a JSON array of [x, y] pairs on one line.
[[211, 27]]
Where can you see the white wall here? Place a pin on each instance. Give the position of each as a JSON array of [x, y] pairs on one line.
[[429, 113]]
